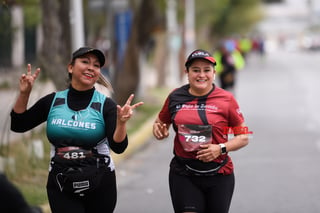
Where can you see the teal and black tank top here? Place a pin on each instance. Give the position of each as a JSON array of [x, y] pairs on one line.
[[84, 128]]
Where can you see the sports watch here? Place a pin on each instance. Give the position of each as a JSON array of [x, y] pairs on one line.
[[223, 148]]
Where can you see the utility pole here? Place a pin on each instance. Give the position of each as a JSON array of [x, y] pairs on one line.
[[17, 23], [77, 29], [174, 43], [189, 26]]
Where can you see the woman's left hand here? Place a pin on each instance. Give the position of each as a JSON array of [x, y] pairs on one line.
[[124, 113], [208, 152]]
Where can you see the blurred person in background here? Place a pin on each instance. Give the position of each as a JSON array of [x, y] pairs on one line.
[[83, 126], [201, 176], [230, 60], [12, 200], [228, 73], [245, 46], [258, 45]]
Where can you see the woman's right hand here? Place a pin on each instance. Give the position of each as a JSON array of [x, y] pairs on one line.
[[27, 80], [160, 130], [26, 84]]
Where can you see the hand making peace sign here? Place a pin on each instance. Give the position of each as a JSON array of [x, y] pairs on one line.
[[27, 80]]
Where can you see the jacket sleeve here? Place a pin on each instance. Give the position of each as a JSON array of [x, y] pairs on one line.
[[32, 117], [110, 118]]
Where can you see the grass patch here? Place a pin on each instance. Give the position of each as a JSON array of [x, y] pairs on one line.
[[28, 172], [140, 116], [34, 189], [152, 104], [4, 85]]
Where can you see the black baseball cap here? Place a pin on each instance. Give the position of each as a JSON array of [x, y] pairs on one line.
[[199, 53], [84, 50]]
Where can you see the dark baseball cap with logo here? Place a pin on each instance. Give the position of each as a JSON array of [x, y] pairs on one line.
[[202, 54], [84, 50]]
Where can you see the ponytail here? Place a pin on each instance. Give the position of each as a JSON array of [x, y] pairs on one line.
[[105, 82]]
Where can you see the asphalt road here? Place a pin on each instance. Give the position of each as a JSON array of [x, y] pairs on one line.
[[278, 171]]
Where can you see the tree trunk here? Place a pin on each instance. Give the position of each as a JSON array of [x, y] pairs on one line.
[[127, 75], [55, 51]]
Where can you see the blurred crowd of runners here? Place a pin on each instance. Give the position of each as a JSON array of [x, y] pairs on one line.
[[231, 55]]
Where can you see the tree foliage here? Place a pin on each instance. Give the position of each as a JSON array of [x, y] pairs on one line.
[[5, 34], [218, 18], [215, 19], [224, 18], [32, 13]]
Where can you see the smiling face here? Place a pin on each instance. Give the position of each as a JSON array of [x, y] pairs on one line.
[[200, 74], [85, 72]]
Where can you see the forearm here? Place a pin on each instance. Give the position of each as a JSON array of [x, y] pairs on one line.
[[117, 138], [120, 132], [209, 152], [21, 103], [237, 142], [22, 121]]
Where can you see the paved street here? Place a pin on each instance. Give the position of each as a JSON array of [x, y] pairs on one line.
[[278, 171]]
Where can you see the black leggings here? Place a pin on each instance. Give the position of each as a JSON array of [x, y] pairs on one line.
[[205, 194], [103, 199]]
